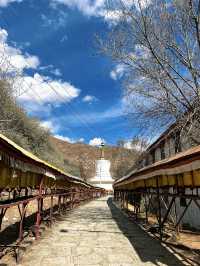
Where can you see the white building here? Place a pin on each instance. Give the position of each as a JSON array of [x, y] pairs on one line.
[[166, 146], [102, 176]]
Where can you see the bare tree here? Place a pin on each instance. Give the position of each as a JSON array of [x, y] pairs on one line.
[[139, 144], [158, 42], [120, 143]]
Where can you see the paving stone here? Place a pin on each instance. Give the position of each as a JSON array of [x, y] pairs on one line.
[[90, 259], [61, 250], [56, 261], [120, 258], [97, 234], [82, 251]]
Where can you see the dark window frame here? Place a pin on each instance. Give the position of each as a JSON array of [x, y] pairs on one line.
[[177, 142], [153, 154], [162, 150]]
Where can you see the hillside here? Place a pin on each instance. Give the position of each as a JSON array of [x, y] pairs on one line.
[[77, 159], [82, 157]]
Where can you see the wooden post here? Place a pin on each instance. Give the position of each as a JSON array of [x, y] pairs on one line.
[[21, 225], [2, 214], [145, 205], [38, 215], [59, 204], [159, 209], [71, 199], [51, 211]]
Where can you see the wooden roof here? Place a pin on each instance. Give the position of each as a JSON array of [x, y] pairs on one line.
[[10, 148], [182, 161]]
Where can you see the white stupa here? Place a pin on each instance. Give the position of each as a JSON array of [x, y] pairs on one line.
[[102, 176]]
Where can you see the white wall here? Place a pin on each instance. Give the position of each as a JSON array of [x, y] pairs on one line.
[[192, 215]]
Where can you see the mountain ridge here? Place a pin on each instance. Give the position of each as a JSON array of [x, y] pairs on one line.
[[83, 157]]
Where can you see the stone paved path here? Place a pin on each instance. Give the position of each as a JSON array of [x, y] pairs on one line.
[[97, 234]]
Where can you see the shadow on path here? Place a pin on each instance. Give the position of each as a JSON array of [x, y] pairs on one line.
[[147, 248]]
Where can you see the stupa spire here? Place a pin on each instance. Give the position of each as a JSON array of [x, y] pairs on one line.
[[102, 150]]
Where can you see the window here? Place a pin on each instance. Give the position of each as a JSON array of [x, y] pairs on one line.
[[162, 150], [177, 142], [153, 156], [183, 202], [147, 160]]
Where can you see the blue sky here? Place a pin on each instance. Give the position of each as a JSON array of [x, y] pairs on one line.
[[62, 81]]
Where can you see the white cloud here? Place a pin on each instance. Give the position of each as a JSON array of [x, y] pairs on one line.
[[64, 138], [3, 35], [55, 21], [51, 69], [64, 38], [99, 8], [138, 146], [89, 98], [20, 61], [47, 90], [70, 140], [141, 4], [4, 3], [118, 71], [33, 91], [12, 59], [46, 68], [56, 72], [87, 7], [52, 127], [47, 125], [96, 8], [96, 141], [128, 145], [20, 45], [111, 16]]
